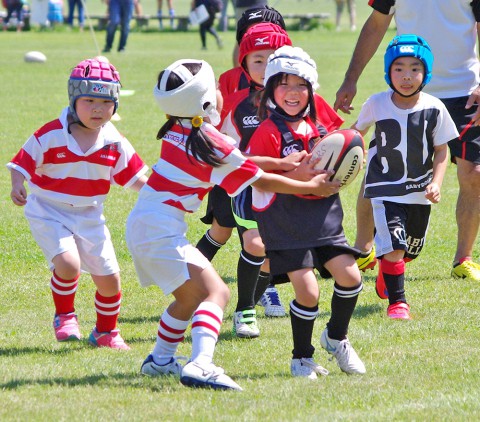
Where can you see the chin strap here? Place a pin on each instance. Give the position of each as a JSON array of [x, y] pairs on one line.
[[408, 96], [280, 112]]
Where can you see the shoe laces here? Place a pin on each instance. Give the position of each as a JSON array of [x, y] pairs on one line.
[[342, 352], [271, 297], [310, 363]]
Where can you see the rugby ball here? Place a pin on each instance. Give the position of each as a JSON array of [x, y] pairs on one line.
[[341, 151], [35, 57]]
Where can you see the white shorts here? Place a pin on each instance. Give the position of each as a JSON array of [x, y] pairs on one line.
[[61, 228], [156, 238]]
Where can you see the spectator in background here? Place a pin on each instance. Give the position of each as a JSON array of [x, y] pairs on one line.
[[223, 22], [13, 6], [351, 12], [171, 13], [213, 6], [119, 13], [81, 14]]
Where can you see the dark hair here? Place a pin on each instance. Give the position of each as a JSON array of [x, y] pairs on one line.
[[268, 93], [198, 143]]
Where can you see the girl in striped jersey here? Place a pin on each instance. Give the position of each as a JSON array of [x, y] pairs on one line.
[[194, 157], [69, 165]]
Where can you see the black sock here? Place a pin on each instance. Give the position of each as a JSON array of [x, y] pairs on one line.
[[248, 271], [396, 287], [344, 300], [262, 284], [208, 246], [302, 319]]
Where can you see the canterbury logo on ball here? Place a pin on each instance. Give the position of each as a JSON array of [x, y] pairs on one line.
[[250, 121], [262, 41]]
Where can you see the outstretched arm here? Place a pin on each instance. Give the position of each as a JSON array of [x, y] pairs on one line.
[[369, 39]]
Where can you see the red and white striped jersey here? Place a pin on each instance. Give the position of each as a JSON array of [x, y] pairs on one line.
[[57, 170], [182, 181]]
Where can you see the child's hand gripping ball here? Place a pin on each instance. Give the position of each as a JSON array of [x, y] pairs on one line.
[[341, 151]]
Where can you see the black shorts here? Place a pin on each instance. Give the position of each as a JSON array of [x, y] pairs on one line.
[[242, 211], [467, 146], [219, 206], [285, 261], [400, 227]]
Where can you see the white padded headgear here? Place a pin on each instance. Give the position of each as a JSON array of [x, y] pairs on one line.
[[293, 61], [197, 96]]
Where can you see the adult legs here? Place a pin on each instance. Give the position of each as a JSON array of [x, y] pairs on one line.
[[468, 207]]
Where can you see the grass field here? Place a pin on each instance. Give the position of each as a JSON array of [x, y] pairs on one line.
[[424, 370]]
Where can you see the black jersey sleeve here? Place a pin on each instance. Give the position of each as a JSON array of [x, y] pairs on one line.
[[382, 6]]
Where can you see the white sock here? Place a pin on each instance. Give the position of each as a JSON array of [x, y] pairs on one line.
[[170, 334], [206, 324]]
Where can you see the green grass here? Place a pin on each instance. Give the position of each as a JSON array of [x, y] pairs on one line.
[[424, 369]]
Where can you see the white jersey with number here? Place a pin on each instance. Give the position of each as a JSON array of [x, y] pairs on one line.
[[400, 155]]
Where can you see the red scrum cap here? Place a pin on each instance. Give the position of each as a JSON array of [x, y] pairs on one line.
[[262, 36]]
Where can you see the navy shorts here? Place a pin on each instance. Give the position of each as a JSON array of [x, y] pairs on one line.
[[285, 261], [219, 206], [467, 146], [400, 227]]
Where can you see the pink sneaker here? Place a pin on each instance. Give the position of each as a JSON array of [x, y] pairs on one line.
[[399, 310], [66, 327], [380, 286], [113, 339]]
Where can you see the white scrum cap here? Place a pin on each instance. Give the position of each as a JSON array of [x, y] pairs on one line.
[[293, 61], [196, 96]]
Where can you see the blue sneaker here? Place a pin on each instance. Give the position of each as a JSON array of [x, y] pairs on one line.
[[270, 300], [151, 368], [207, 376]]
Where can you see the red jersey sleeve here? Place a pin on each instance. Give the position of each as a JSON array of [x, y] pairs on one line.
[[266, 141]]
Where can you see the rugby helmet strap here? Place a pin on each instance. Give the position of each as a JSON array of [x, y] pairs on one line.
[[409, 45]]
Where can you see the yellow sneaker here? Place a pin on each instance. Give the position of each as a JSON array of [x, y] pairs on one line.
[[467, 269], [367, 262]]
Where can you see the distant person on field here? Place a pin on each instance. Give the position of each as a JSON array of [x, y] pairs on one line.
[[14, 7], [407, 160], [213, 7], [78, 4], [119, 13], [171, 13], [194, 157], [69, 165], [451, 29], [304, 233], [352, 13]]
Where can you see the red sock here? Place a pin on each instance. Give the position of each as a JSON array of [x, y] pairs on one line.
[[63, 292], [107, 309]]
